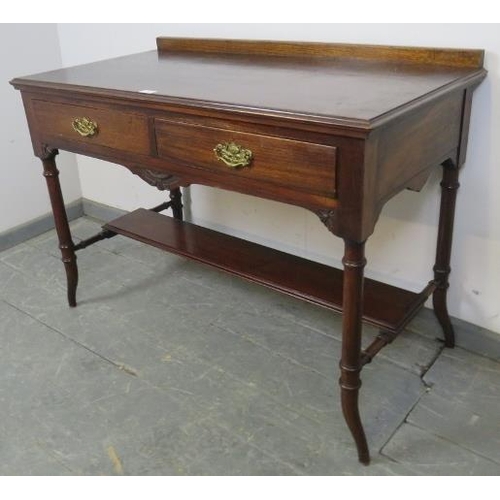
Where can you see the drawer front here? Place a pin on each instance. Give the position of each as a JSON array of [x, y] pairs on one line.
[[285, 162], [106, 127]]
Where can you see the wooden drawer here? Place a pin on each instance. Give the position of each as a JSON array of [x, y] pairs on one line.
[[285, 162], [116, 129]]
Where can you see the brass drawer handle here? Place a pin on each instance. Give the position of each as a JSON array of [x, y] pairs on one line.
[[233, 155], [85, 126]]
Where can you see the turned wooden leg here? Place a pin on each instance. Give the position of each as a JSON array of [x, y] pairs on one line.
[[350, 365], [449, 186], [176, 199], [66, 245]]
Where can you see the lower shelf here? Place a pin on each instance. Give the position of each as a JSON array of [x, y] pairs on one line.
[[385, 306]]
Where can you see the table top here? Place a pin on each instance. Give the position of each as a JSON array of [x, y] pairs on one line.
[[351, 85]]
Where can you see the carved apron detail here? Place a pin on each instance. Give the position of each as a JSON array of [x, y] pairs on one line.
[[326, 217], [159, 180]]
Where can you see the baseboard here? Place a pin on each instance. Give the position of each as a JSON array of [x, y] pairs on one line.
[[468, 336], [101, 212], [479, 340], [44, 223], [37, 226]]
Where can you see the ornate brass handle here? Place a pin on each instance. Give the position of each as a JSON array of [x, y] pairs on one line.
[[233, 155], [85, 126]]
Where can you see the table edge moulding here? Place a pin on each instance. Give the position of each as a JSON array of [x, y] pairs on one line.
[[334, 128]]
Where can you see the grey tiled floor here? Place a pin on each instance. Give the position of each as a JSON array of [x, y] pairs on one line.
[[168, 367]]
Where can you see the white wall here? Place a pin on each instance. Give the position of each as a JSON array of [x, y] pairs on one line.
[[26, 49], [402, 248]]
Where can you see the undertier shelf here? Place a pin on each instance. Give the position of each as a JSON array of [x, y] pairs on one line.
[[385, 306]]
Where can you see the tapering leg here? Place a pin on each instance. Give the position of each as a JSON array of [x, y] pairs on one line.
[[66, 245], [449, 186], [176, 199], [350, 365]]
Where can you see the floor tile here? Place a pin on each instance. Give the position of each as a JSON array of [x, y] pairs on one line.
[[169, 367], [428, 454], [463, 403]]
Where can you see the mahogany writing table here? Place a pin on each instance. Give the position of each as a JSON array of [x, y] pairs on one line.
[[336, 129]]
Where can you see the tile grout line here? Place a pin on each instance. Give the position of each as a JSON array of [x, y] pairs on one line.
[[122, 367], [444, 438], [431, 364], [405, 419], [271, 351]]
